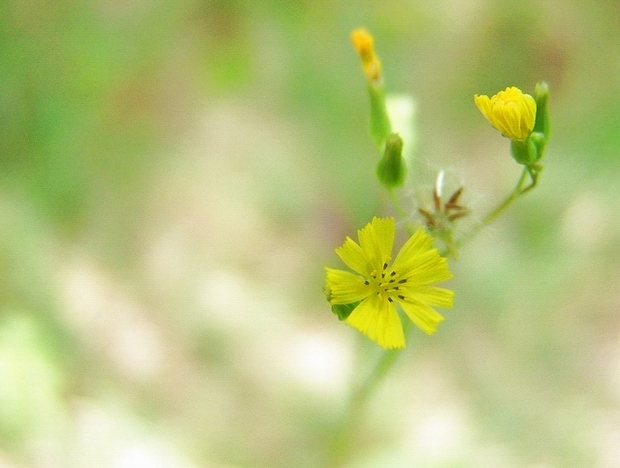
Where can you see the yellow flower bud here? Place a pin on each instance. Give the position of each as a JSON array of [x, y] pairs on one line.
[[364, 44], [510, 111]]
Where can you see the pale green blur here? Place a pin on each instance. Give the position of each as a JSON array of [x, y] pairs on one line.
[[174, 176]]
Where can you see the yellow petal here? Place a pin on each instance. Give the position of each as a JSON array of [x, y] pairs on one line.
[[345, 287], [510, 111], [430, 295], [364, 44], [483, 103], [418, 244], [355, 258], [378, 319], [377, 240], [430, 268], [422, 315], [528, 112]]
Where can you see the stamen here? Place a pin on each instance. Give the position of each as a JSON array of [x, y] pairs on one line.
[[402, 281], [366, 282]]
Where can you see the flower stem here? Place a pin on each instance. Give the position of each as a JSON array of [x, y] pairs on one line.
[[397, 206], [519, 190], [343, 441], [400, 212]]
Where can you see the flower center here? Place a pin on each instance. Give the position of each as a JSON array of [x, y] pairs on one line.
[[387, 283]]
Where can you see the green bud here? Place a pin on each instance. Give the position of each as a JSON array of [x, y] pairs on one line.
[[380, 126], [542, 126], [524, 152], [541, 95], [391, 169]]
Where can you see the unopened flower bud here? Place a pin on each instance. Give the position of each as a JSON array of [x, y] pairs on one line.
[[542, 127], [391, 170], [380, 126], [364, 44]]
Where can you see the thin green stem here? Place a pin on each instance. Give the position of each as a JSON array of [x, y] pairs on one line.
[[508, 201], [384, 364], [397, 206], [518, 191], [400, 212], [357, 404]]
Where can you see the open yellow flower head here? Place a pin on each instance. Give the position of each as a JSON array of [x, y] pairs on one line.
[[364, 44], [511, 112], [379, 283]]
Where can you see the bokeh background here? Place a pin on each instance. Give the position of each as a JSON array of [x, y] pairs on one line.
[[174, 175]]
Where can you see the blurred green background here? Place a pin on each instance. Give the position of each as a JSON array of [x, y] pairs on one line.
[[174, 175]]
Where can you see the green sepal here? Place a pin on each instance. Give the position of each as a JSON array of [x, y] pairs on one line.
[[540, 142], [342, 311], [391, 169], [524, 152], [380, 126]]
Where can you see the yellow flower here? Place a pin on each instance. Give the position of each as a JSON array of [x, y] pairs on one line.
[[380, 284], [364, 44], [510, 111]]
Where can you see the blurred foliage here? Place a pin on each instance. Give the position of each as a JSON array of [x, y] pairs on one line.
[[174, 173]]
